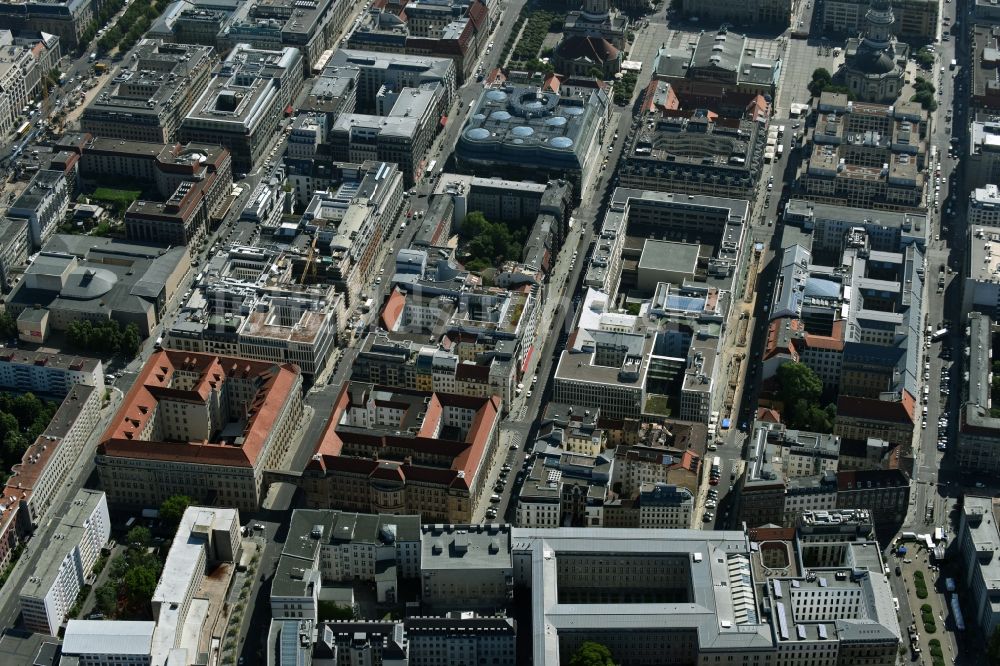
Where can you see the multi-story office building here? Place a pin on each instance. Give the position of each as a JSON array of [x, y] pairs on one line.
[[69, 19], [770, 491], [87, 277], [523, 132], [151, 93], [48, 461], [118, 643], [405, 451], [310, 28], [332, 92], [719, 226], [185, 604], [66, 563], [459, 31], [508, 200], [43, 205], [401, 133], [245, 100], [201, 425], [333, 547], [476, 365], [688, 253], [461, 637], [984, 207], [204, 536], [19, 75], [978, 541], [695, 153], [466, 567], [565, 489], [395, 71], [915, 19], [984, 94], [45, 48], [348, 227], [246, 303], [718, 70], [194, 181], [415, 641], [867, 155], [203, 22], [982, 282], [617, 362], [768, 12], [858, 327], [978, 447], [654, 506], [14, 247], [982, 162], [605, 365], [711, 589], [48, 373], [828, 224], [825, 531]]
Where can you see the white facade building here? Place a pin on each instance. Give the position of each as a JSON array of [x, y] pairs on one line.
[[43, 204], [99, 643], [42, 372], [66, 563]]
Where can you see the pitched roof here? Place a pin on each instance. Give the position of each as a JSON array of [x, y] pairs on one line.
[[596, 49], [889, 411], [275, 383]]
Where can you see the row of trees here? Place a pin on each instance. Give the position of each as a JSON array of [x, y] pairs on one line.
[[107, 10], [800, 390], [624, 87], [539, 25], [131, 26], [106, 337], [488, 244], [22, 419], [924, 94], [925, 58]]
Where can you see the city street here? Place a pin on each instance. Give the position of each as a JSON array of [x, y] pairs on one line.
[[10, 605]]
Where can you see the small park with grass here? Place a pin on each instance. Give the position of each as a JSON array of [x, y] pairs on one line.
[[113, 197]]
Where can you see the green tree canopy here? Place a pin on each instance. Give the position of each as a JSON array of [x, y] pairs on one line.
[[925, 58], [591, 654], [800, 390], [488, 243], [173, 509], [139, 536], [8, 326], [107, 598], [139, 584], [131, 340], [798, 382]]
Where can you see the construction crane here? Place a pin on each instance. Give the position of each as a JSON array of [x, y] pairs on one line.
[[310, 259]]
